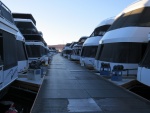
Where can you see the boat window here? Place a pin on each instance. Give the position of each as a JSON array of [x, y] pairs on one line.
[[99, 51], [33, 37], [34, 50], [68, 44], [100, 31], [67, 51], [139, 17], [26, 27], [123, 52], [29, 52], [9, 49], [89, 51], [6, 13], [145, 62], [82, 40], [21, 51], [77, 51], [43, 51]]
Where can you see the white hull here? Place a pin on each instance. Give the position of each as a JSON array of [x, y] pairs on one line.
[[143, 75]]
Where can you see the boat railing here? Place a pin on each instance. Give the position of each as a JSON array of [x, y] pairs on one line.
[[5, 13], [120, 68]]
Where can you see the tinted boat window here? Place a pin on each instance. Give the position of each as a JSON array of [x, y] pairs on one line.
[[123, 52], [34, 50], [21, 51], [9, 49], [100, 31], [27, 28], [139, 17], [99, 50], [89, 51]]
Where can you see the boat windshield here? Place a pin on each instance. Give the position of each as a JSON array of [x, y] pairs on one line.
[[139, 17], [100, 31], [82, 40]]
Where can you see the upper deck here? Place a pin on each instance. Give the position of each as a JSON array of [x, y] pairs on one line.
[[6, 19], [5, 12], [24, 16]]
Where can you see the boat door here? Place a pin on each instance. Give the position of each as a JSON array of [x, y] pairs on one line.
[[144, 76]]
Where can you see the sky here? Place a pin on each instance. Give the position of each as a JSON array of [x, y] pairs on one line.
[[66, 21]]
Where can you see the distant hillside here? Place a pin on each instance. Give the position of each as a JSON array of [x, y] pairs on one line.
[[59, 47]]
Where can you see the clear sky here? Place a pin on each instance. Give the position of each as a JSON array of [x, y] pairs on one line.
[[65, 21]]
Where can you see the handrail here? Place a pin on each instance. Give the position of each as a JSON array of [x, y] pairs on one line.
[[2, 12]]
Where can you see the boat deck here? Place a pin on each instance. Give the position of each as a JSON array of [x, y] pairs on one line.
[[70, 88]]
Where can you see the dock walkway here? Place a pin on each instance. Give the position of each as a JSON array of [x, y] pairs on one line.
[[70, 88]]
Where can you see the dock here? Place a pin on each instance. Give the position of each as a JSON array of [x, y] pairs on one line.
[[70, 88]]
